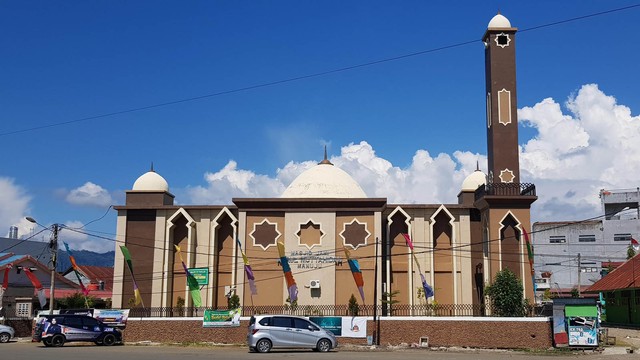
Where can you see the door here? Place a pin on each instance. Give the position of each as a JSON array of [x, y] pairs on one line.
[[305, 334], [281, 331]]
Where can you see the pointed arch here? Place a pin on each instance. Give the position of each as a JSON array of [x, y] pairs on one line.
[[399, 271], [179, 231], [511, 247], [224, 241], [444, 266]]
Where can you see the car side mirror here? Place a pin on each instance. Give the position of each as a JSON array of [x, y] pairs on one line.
[[312, 328]]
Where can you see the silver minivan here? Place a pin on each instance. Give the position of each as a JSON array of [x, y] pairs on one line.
[[285, 331]]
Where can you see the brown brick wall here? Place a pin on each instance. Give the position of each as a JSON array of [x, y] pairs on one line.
[[476, 334]]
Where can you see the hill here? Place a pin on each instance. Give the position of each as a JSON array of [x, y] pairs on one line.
[[84, 257]]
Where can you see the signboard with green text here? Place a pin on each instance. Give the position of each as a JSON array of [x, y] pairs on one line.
[[201, 275]]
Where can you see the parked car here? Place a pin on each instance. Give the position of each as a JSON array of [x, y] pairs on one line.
[[56, 330], [282, 331], [6, 333]]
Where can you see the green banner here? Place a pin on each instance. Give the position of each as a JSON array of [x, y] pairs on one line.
[[201, 274], [221, 318]]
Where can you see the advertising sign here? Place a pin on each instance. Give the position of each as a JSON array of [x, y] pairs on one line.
[[112, 317], [354, 326], [329, 323], [221, 318], [201, 275]]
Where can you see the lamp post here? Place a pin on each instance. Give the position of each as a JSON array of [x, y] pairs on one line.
[[53, 247]]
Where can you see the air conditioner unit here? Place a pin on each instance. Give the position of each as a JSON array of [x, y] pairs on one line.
[[314, 284]]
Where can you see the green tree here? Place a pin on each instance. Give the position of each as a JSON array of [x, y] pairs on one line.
[[233, 301], [76, 301], [354, 308], [506, 294], [575, 293], [389, 299], [630, 252]]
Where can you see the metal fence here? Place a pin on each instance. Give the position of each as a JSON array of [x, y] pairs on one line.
[[452, 310]]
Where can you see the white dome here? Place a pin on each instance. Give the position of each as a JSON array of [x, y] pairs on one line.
[[474, 180], [324, 181], [151, 181], [499, 21]]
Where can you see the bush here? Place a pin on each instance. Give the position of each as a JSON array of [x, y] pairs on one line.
[[506, 294]]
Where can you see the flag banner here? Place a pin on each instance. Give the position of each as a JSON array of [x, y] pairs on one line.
[[426, 288], [530, 256], [85, 291], [221, 318], [354, 266], [635, 244], [286, 269], [36, 284], [5, 280], [127, 259], [194, 287], [249, 272]]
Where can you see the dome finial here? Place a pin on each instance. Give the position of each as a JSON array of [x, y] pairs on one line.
[[477, 165], [152, 167], [325, 160]]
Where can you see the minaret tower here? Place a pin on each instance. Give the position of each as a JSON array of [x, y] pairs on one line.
[[502, 117]]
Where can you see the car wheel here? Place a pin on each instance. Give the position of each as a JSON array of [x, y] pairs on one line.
[[108, 340], [57, 340], [324, 345], [263, 346], [46, 342], [4, 337]]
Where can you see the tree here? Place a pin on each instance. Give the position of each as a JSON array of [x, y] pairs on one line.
[[76, 301], [506, 294], [388, 298], [233, 301], [630, 252], [575, 293], [354, 308]]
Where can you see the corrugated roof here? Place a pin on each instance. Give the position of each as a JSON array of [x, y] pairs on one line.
[[625, 276], [97, 273]]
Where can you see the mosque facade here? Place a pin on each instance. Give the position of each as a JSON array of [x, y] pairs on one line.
[[458, 247]]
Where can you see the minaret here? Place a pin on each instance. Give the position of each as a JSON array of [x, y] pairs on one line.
[[502, 117]]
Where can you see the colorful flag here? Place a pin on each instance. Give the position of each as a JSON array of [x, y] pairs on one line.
[[291, 283], [36, 284], [194, 287], [248, 271], [530, 255], [428, 290], [356, 272], [85, 291], [635, 244], [5, 282], [127, 258]]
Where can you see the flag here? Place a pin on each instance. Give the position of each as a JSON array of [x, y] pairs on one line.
[[194, 287], [36, 284], [426, 288], [248, 271], [5, 282], [356, 272], [85, 291], [530, 255], [291, 283], [127, 258], [635, 244]]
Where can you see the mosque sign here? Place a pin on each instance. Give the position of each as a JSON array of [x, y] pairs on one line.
[[313, 259]]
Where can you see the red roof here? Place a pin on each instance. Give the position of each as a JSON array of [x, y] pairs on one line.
[[99, 273], [63, 293], [625, 276]]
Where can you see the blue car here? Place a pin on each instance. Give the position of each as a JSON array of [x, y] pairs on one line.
[[56, 330]]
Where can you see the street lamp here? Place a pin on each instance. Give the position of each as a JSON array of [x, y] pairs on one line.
[[53, 247]]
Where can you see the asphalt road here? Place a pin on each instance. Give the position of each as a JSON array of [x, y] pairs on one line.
[[82, 351]]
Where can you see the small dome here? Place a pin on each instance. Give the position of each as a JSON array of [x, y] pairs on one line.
[[324, 181], [499, 21], [474, 180], [151, 181]]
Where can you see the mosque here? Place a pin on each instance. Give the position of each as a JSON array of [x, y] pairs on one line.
[[459, 247]]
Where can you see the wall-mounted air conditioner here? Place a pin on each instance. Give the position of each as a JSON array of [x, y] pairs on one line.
[[314, 284]]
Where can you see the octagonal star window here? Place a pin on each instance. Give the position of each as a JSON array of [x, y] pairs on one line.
[[355, 234], [506, 176], [503, 40], [310, 234], [265, 234]]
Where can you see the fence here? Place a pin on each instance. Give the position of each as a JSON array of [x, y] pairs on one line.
[[450, 310]]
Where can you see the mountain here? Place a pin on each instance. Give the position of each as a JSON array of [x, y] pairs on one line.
[[84, 257]]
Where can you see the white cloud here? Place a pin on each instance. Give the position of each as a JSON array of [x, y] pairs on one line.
[[576, 154], [89, 194], [14, 203], [79, 241]]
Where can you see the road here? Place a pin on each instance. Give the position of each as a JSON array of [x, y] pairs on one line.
[[29, 351]]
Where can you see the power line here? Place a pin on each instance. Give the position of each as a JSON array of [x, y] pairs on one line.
[[305, 77]]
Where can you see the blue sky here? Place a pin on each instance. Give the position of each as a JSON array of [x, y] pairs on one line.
[[408, 129]]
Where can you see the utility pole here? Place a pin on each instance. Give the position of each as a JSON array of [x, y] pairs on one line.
[[53, 245], [579, 275]]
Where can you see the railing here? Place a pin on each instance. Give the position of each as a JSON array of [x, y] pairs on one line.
[[506, 189], [453, 310]]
